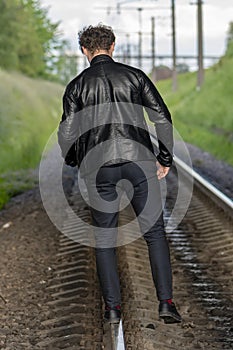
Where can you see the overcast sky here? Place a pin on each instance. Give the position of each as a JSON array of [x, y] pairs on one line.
[[217, 14]]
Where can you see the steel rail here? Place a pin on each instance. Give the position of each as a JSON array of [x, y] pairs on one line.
[[113, 336], [218, 197], [206, 187]]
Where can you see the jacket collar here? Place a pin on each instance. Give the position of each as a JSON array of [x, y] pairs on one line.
[[101, 58]]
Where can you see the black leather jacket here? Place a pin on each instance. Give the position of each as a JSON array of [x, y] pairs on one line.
[[105, 103]]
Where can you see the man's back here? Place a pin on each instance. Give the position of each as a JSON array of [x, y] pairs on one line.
[[108, 100], [108, 81]]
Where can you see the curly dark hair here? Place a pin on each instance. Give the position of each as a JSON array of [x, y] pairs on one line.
[[95, 38]]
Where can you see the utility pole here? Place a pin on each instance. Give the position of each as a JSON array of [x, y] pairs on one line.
[[200, 75], [174, 72], [140, 37], [128, 48], [200, 72], [153, 44], [122, 2], [118, 9]]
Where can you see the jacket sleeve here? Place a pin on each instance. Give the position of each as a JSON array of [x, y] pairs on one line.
[[159, 114], [67, 131]]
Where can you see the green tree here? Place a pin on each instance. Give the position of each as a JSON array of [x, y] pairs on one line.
[[38, 38], [27, 37], [64, 63], [9, 33]]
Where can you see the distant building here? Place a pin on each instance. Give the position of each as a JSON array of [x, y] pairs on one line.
[[163, 72]]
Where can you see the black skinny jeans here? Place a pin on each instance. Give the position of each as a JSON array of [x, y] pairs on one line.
[[144, 192]]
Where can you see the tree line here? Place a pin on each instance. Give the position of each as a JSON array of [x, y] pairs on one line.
[[31, 43]]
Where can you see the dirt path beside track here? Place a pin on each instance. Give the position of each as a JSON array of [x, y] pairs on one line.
[[28, 244]]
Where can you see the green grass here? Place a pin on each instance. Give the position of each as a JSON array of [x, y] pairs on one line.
[[15, 182], [29, 111], [204, 118]]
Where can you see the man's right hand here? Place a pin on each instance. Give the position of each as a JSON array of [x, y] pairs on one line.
[[162, 171]]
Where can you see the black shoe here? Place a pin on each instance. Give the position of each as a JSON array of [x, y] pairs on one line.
[[169, 313], [112, 315]]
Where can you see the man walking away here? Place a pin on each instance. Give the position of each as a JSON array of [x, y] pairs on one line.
[[104, 109]]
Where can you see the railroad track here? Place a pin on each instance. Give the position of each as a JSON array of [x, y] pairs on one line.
[[202, 260]]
